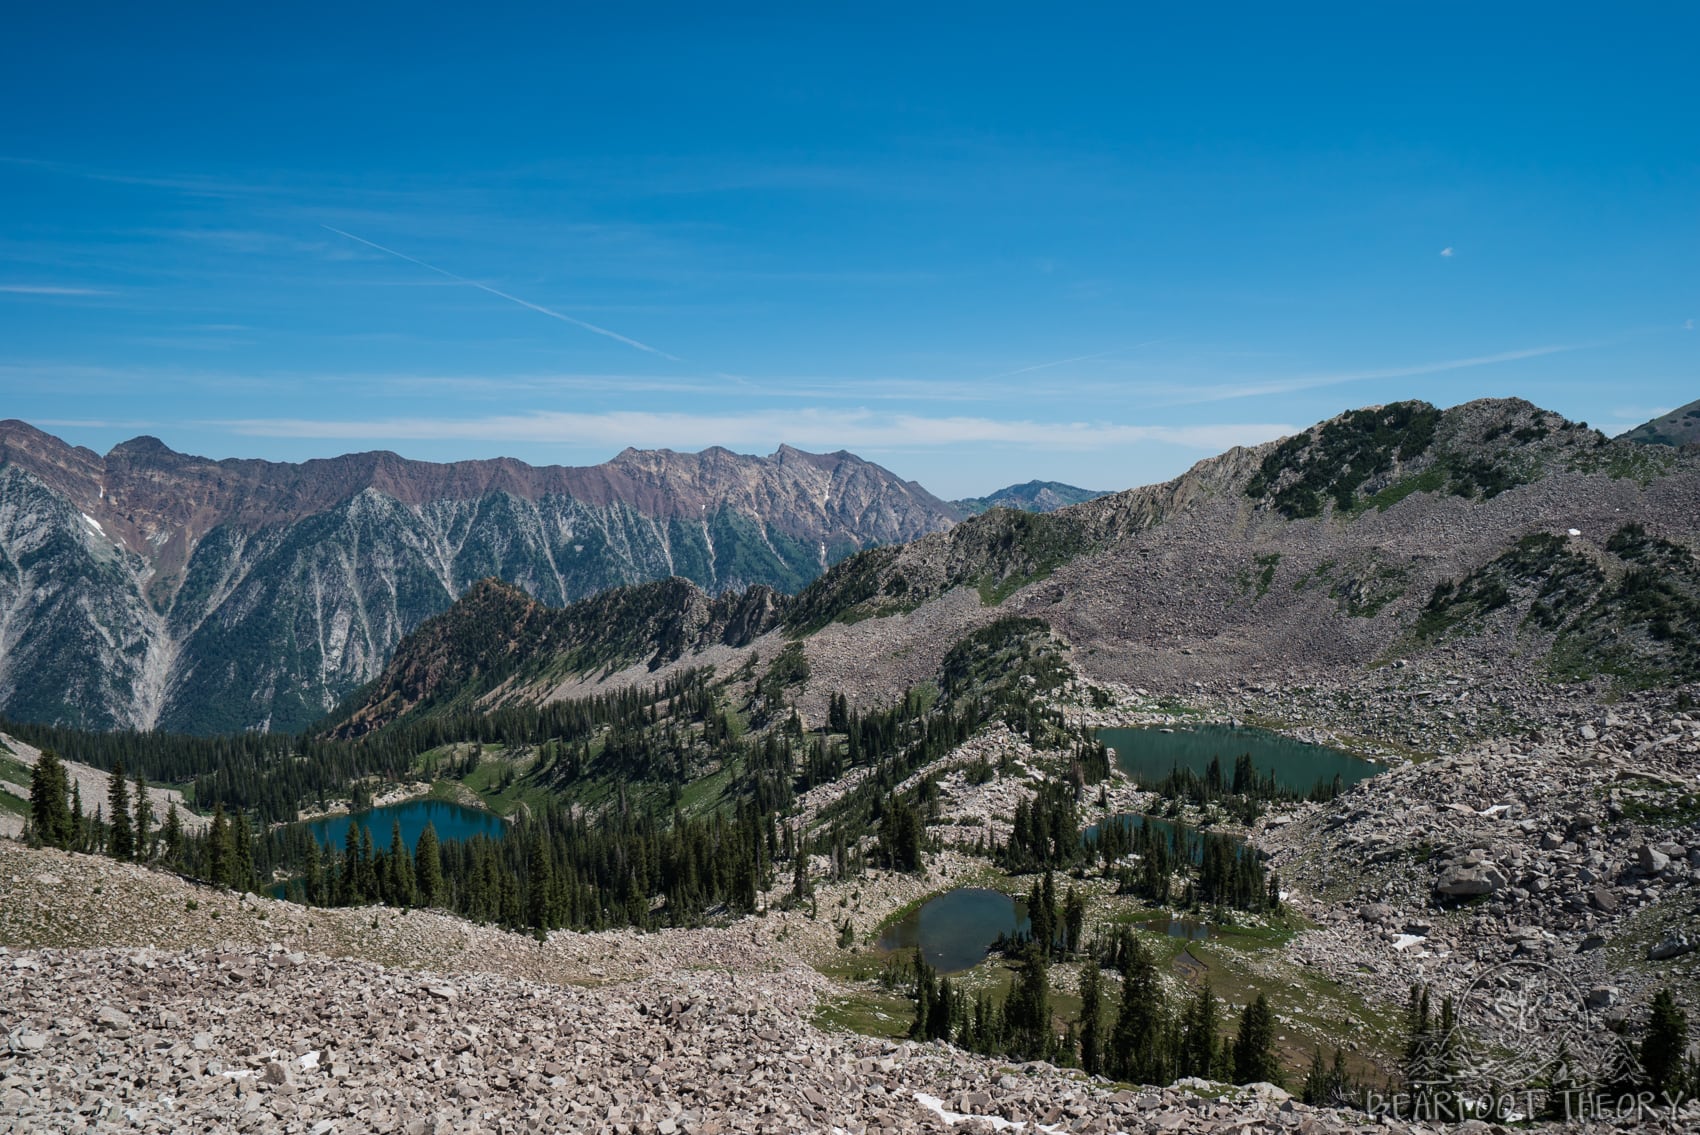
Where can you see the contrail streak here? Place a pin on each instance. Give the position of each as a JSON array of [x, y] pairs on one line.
[[550, 312]]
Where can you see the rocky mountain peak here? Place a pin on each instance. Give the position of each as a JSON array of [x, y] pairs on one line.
[[216, 592]]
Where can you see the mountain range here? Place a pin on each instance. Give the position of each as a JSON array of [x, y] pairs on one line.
[[153, 589], [1494, 531]]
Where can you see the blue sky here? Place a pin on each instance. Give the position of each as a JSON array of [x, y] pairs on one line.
[[977, 243]]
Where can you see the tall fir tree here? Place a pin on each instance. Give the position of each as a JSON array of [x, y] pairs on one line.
[[1254, 1048], [539, 881], [241, 853], [121, 839], [1664, 1044], [50, 812], [172, 833], [218, 848], [144, 819], [399, 866], [428, 868], [1198, 1033], [1091, 1018]]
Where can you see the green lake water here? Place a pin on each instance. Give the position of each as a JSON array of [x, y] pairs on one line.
[[1148, 755], [1174, 834], [957, 929]]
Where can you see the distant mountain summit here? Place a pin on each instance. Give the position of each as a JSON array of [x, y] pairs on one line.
[[1033, 496], [151, 588], [1679, 427]]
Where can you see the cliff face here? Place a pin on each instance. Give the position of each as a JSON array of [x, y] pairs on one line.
[[153, 589]]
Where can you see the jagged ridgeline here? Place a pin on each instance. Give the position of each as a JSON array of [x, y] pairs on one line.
[[1369, 537], [152, 589]]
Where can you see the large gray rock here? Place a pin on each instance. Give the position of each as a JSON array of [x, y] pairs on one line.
[[1460, 881], [1672, 945], [1651, 860]]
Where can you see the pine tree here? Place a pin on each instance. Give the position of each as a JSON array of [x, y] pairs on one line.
[[1091, 1019], [144, 819], [399, 867], [1198, 1035], [1254, 1048], [1074, 920], [312, 873], [1136, 1045], [539, 875], [368, 865], [79, 837], [428, 867], [50, 816], [241, 853], [1664, 1044], [173, 833], [218, 848], [121, 840], [1028, 1009], [1316, 1080]]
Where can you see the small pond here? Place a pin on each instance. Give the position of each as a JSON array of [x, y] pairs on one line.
[[1149, 755], [1175, 834], [1189, 929], [452, 821], [956, 930]]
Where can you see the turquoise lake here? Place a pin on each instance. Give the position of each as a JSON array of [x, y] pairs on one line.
[[1148, 755], [452, 821], [957, 929]]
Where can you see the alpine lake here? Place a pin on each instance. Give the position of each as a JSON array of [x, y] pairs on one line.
[[452, 822], [956, 930]]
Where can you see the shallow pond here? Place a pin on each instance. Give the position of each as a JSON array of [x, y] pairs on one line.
[[1188, 928], [1174, 833], [956, 930], [1149, 755]]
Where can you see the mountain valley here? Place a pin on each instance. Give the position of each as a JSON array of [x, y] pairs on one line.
[[718, 799]]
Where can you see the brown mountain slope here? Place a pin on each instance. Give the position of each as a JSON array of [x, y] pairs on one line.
[[1291, 561]]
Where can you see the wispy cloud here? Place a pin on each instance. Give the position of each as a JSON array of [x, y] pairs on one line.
[[1446, 253], [814, 427], [1179, 396], [550, 312], [1056, 363], [50, 290]]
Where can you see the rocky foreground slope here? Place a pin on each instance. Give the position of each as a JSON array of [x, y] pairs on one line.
[[239, 1021], [154, 589]]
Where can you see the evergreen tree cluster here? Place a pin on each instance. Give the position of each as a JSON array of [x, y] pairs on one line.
[[1144, 1036]]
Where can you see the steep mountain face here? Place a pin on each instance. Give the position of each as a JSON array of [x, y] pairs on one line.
[[150, 588], [1033, 496], [1679, 427], [1493, 531]]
